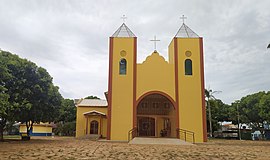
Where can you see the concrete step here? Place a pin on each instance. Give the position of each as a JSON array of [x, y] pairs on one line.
[[162, 141], [91, 136]]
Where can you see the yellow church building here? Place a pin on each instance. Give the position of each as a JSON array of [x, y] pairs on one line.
[[155, 98]]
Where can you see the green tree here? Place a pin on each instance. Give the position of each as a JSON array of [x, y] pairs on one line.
[[219, 113], [66, 121], [67, 112], [6, 107], [91, 97], [249, 109], [209, 95], [66, 129], [233, 113], [31, 91], [264, 106]]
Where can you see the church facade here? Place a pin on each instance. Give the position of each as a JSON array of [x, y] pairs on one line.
[[155, 98]]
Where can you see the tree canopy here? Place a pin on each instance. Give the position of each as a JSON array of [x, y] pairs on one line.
[[253, 109], [27, 92], [91, 97], [67, 112], [6, 107]]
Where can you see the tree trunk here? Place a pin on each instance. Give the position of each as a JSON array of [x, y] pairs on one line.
[[262, 131], [2, 125], [31, 126], [27, 127], [1, 133], [210, 119]]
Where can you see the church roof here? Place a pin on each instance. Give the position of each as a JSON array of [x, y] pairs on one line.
[[123, 31], [93, 102], [186, 32]]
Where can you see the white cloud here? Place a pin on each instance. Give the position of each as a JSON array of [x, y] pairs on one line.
[[70, 39]]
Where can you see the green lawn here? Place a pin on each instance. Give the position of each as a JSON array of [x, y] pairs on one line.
[[12, 137]]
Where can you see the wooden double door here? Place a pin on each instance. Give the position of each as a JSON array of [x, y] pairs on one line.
[[146, 127]]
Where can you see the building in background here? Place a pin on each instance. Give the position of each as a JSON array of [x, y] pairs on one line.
[[41, 129]]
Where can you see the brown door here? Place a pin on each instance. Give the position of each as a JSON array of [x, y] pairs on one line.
[[94, 127], [146, 126]]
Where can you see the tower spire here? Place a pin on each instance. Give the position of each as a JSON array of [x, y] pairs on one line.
[[123, 31], [185, 31]]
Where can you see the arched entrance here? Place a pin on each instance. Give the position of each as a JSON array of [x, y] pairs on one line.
[[156, 116], [94, 127]]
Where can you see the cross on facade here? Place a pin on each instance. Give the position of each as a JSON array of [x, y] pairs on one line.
[[183, 18], [155, 40], [123, 17]]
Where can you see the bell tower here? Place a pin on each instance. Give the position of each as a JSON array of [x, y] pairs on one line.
[[122, 83], [186, 54]]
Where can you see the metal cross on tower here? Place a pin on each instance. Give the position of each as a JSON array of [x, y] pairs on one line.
[[123, 17], [155, 40], [183, 18]]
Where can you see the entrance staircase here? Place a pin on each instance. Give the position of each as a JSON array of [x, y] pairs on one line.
[[185, 138], [159, 141]]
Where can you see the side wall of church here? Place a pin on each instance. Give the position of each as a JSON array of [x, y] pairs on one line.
[[171, 52], [81, 120]]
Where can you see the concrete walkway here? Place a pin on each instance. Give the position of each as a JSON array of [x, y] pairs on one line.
[[166, 141]]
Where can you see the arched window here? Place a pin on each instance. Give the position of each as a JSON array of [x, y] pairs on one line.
[[94, 127], [188, 67], [123, 67]]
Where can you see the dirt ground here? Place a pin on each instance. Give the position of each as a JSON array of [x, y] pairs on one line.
[[71, 148]]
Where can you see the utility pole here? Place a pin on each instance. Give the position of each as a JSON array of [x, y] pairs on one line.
[[238, 119]]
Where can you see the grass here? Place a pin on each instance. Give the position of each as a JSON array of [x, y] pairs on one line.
[[12, 137]]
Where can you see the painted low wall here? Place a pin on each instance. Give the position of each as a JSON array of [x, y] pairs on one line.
[[38, 130]]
